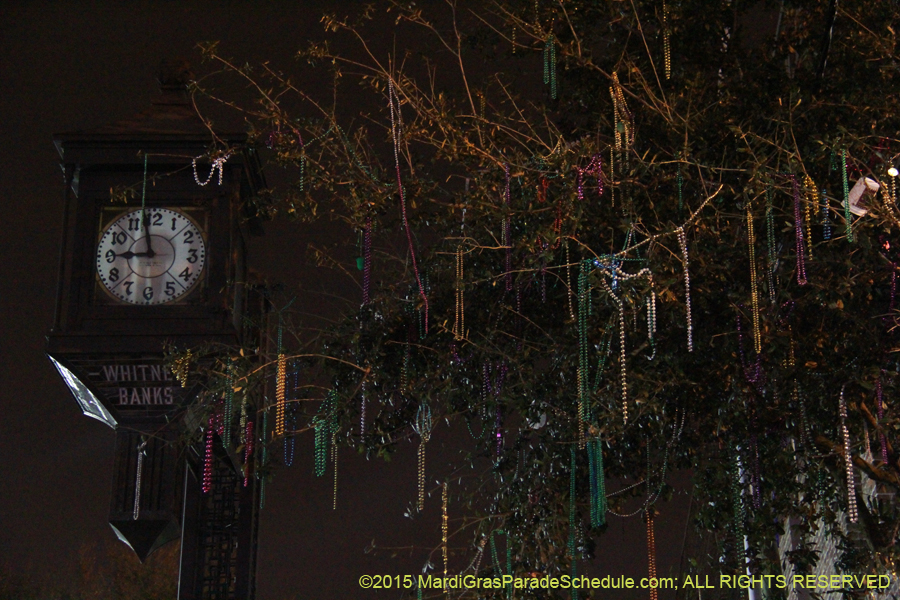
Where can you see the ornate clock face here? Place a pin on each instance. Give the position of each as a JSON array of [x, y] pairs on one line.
[[151, 261]]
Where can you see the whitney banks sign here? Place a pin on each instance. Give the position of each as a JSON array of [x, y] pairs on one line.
[[137, 386]]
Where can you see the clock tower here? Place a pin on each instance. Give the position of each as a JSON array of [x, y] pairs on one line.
[[153, 258]]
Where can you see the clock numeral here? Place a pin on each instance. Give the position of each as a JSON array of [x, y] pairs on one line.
[[118, 237], [110, 256], [188, 237], [128, 285], [173, 223], [170, 288], [186, 274], [193, 256], [114, 274], [157, 219], [134, 224], [148, 293]]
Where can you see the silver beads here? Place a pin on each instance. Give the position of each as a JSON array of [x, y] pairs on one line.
[[682, 242], [218, 164], [852, 513]]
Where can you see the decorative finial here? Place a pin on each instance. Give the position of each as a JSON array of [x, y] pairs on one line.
[[174, 74]]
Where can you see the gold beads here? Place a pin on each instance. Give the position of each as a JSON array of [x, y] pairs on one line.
[[624, 127], [459, 325], [422, 426], [667, 48], [812, 200], [181, 367], [420, 505], [892, 185], [280, 377]]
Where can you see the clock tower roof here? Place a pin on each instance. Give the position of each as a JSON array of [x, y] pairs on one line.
[[172, 118]]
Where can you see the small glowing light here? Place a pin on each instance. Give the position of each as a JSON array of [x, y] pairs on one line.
[[893, 172]]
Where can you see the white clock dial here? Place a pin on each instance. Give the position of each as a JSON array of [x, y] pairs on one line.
[[150, 260]]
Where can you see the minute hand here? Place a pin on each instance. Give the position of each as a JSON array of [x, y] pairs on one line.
[[150, 252]]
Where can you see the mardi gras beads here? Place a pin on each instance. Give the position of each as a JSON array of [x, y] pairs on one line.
[[798, 233], [682, 243], [549, 56], [141, 453], [651, 553], [598, 483], [771, 254], [751, 242], [848, 217], [667, 48], [444, 531], [852, 513], [422, 426]]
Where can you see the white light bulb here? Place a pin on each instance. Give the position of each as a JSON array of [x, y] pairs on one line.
[[893, 172]]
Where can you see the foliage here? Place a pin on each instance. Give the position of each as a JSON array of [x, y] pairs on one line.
[[107, 570], [566, 201], [110, 570]]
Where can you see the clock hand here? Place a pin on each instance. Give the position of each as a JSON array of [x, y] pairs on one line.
[[150, 252], [129, 255]]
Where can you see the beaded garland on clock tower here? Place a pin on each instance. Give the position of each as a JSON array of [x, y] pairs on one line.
[[153, 259]]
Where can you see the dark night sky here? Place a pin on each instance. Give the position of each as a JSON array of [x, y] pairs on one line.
[[74, 65]]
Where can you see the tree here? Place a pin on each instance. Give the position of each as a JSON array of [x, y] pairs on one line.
[[110, 570], [612, 239], [106, 570]]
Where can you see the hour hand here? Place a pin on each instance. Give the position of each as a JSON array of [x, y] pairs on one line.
[[129, 255]]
